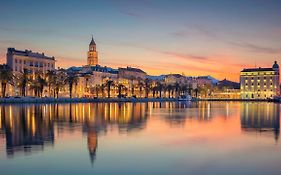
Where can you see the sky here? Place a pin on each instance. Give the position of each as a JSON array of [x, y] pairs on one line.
[[190, 37]]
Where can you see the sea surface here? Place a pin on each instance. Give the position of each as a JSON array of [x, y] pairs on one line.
[[219, 138]]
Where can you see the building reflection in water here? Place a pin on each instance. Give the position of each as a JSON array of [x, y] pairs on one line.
[[26, 128], [261, 117], [29, 128]]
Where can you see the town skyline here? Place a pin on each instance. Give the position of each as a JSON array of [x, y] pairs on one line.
[[196, 39]]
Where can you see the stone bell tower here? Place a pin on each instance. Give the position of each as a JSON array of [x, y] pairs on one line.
[[92, 54]]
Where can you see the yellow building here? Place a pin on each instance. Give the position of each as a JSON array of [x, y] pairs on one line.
[[92, 54], [260, 83], [35, 62]]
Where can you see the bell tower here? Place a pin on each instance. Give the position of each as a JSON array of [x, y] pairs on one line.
[[92, 54]]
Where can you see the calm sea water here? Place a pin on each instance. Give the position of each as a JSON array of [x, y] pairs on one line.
[[141, 138]]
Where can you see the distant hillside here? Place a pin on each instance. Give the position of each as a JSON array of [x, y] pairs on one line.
[[228, 84]]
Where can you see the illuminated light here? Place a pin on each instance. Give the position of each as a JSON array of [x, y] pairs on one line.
[[33, 127]]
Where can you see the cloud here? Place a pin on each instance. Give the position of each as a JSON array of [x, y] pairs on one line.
[[28, 30], [256, 48], [191, 30], [133, 14], [184, 56], [42, 32]]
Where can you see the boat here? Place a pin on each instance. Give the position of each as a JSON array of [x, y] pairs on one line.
[[185, 98]]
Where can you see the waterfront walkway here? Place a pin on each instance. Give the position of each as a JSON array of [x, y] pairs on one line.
[[80, 100]]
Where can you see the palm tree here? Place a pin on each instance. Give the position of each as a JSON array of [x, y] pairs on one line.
[[140, 85], [120, 87], [87, 78], [59, 82], [147, 86], [108, 84], [51, 76], [169, 89], [71, 80], [160, 87], [38, 85], [132, 86], [189, 89], [96, 89], [196, 92], [23, 81], [154, 89], [177, 89], [102, 87], [183, 89], [6, 77]]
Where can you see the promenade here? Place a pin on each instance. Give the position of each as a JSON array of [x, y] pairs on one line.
[[80, 100]]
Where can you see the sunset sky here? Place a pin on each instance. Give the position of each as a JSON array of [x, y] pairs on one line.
[[194, 37]]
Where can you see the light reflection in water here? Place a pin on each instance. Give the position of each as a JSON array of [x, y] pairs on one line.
[[260, 117], [29, 128]]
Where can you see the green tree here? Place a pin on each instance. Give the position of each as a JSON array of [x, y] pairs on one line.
[[50, 80], [147, 86], [120, 87], [24, 79], [38, 85], [160, 87], [108, 85], [6, 77], [71, 80], [141, 85]]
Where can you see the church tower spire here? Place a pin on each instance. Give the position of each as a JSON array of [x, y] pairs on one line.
[[92, 53]]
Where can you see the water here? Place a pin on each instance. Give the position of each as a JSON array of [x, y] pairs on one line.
[[140, 138]]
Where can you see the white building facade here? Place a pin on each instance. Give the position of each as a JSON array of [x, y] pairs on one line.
[[260, 83]]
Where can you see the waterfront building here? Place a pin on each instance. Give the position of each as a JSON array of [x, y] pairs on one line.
[[89, 77], [19, 60], [175, 78], [33, 62], [260, 83], [92, 54], [131, 73]]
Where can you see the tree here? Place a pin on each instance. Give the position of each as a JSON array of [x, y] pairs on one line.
[[108, 84], [141, 85], [59, 82], [147, 86], [177, 89], [6, 77], [50, 80], [120, 87], [23, 81], [38, 85], [97, 88], [184, 89], [160, 87], [71, 79], [132, 86], [169, 89]]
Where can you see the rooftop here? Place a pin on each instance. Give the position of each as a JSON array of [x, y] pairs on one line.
[[132, 69], [29, 53], [257, 69]]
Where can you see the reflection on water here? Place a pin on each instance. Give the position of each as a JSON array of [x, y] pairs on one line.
[[261, 117], [30, 128]]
